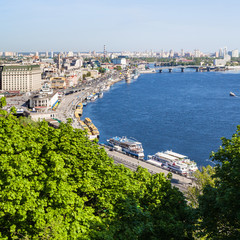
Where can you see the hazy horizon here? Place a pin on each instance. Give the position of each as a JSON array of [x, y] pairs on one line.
[[78, 26]]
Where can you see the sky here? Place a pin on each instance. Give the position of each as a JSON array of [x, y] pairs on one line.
[[126, 25]]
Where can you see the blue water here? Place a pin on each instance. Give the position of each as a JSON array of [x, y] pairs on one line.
[[186, 112]]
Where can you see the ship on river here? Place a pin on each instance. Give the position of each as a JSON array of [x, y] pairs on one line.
[[128, 146], [174, 162]]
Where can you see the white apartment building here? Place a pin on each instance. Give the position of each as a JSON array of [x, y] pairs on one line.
[[197, 53], [23, 78], [120, 61], [235, 53]]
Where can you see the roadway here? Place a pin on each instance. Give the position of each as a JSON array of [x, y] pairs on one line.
[[181, 182], [65, 110], [68, 102]]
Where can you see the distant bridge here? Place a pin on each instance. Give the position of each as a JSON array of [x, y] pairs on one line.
[[198, 68]]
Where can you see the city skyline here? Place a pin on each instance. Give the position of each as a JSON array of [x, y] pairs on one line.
[[124, 26]]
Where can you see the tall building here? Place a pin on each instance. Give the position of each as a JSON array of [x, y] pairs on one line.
[[70, 54], [220, 52], [235, 53], [171, 53], [51, 54], [197, 53], [23, 78], [9, 54], [182, 53], [162, 53], [46, 55], [59, 62], [225, 52]]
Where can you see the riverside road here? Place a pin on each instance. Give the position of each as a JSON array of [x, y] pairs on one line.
[[182, 183], [65, 110]]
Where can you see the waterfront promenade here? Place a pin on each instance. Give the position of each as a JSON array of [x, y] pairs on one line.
[[65, 110], [182, 183], [68, 103]]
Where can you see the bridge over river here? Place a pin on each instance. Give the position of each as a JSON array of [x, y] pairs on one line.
[[198, 68]]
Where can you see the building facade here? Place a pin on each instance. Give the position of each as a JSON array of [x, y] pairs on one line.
[[23, 78], [235, 53], [58, 82], [43, 101]]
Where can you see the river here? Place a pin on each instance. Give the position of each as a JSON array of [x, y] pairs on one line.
[[187, 112]]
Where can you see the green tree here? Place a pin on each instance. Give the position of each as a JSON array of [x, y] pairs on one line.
[[119, 68], [13, 110], [201, 180], [219, 206], [88, 74], [56, 184], [101, 70], [3, 102]]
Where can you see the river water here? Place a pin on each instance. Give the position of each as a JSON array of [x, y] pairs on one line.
[[187, 112]]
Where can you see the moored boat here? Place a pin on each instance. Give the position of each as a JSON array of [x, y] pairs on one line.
[[100, 94], [232, 94], [175, 162], [92, 127], [94, 97], [192, 166], [128, 145]]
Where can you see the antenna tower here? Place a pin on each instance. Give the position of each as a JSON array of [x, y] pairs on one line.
[[104, 51]]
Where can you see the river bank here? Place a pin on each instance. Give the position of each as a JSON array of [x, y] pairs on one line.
[[188, 113]]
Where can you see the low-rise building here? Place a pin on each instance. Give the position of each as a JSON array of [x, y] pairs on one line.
[[120, 61], [94, 73], [219, 62], [222, 62], [107, 66], [36, 116], [58, 82], [43, 101]]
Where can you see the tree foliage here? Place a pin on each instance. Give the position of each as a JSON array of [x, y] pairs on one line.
[[56, 184], [3, 102], [219, 206], [201, 180], [88, 74], [118, 68], [101, 70]]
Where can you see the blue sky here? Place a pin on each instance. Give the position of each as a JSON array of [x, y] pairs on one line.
[[76, 25]]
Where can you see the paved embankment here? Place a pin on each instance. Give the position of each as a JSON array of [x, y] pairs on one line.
[[132, 163]]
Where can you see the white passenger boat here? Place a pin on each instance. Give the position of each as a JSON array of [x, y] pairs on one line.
[[105, 88], [192, 166], [100, 94], [175, 162], [94, 97], [128, 145], [154, 162]]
